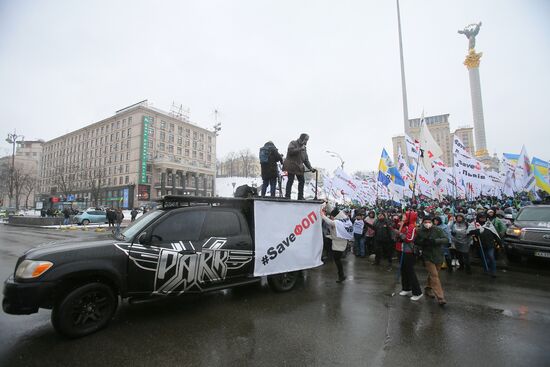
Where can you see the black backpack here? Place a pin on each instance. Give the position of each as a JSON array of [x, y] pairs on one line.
[[264, 155], [245, 191]]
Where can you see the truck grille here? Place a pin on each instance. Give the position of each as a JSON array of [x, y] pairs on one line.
[[536, 235]]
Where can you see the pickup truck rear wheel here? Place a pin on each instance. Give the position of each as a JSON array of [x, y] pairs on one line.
[[283, 282], [84, 310]]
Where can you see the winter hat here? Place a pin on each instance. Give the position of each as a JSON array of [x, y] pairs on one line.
[[427, 217]]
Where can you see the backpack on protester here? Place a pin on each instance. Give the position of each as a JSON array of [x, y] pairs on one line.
[[264, 155], [245, 191]]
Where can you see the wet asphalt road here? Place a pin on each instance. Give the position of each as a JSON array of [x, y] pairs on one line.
[[487, 322]]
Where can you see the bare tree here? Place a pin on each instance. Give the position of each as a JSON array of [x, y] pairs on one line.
[[19, 181], [230, 161], [96, 178], [64, 179], [248, 160], [5, 183], [29, 187]]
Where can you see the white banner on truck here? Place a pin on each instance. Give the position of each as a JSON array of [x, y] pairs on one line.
[[288, 236]]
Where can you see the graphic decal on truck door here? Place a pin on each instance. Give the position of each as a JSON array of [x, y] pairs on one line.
[[185, 265]]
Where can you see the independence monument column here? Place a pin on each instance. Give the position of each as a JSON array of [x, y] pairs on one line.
[[472, 63]]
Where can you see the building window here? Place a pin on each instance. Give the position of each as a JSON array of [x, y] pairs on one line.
[[129, 131], [187, 152], [170, 149], [162, 125], [162, 135], [161, 146], [123, 134], [120, 180], [194, 154], [171, 128], [179, 150], [129, 120], [180, 130], [187, 133]]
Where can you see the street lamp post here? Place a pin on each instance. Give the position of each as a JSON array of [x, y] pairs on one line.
[[336, 155], [12, 139]]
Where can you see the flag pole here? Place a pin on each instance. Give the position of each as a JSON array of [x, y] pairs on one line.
[[403, 85], [420, 155]]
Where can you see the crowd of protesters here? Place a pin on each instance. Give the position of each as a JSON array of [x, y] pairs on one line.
[[440, 235]]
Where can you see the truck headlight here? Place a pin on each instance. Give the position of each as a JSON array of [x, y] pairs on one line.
[[29, 269], [513, 231]]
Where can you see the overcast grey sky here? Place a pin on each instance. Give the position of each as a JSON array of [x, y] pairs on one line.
[[275, 69]]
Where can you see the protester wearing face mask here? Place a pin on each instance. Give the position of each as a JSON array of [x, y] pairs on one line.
[[430, 238], [488, 239], [462, 242], [404, 247]]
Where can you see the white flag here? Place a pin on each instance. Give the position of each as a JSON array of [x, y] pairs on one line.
[[429, 145]]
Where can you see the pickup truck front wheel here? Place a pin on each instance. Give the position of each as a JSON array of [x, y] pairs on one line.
[[283, 282], [84, 310]]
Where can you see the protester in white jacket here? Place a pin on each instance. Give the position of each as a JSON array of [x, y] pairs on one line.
[[338, 244]]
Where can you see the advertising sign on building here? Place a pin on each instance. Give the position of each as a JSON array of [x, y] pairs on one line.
[[147, 120], [125, 198]]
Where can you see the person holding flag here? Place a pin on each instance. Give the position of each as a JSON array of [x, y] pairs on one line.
[[488, 238], [404, 247]]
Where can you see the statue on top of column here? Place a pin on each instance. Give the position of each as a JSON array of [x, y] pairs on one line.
[[471, 31]]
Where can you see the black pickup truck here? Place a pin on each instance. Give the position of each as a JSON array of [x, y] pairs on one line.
[[190, 244], [530, 234]]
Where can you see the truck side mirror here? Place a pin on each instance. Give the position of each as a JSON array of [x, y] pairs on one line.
[[143, 238]]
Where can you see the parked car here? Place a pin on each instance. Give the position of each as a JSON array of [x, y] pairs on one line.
[[190, 245], [90, 216], [529, 235]]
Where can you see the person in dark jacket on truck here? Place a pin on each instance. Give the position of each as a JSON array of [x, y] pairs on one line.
[[269, 157], [430, 239], [295, 160]]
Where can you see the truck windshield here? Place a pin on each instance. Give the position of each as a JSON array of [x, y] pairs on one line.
[[139, 224], [541, 214]]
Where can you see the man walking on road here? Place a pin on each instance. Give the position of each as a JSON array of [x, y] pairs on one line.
[[296, 159]]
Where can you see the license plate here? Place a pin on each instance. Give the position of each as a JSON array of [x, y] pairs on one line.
[[542, 254]]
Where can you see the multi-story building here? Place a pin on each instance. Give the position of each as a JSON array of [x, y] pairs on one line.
[[129, 159], [439, 128]]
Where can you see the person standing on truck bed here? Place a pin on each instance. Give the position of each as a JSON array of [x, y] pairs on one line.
[[269, 157], [296, 159]]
